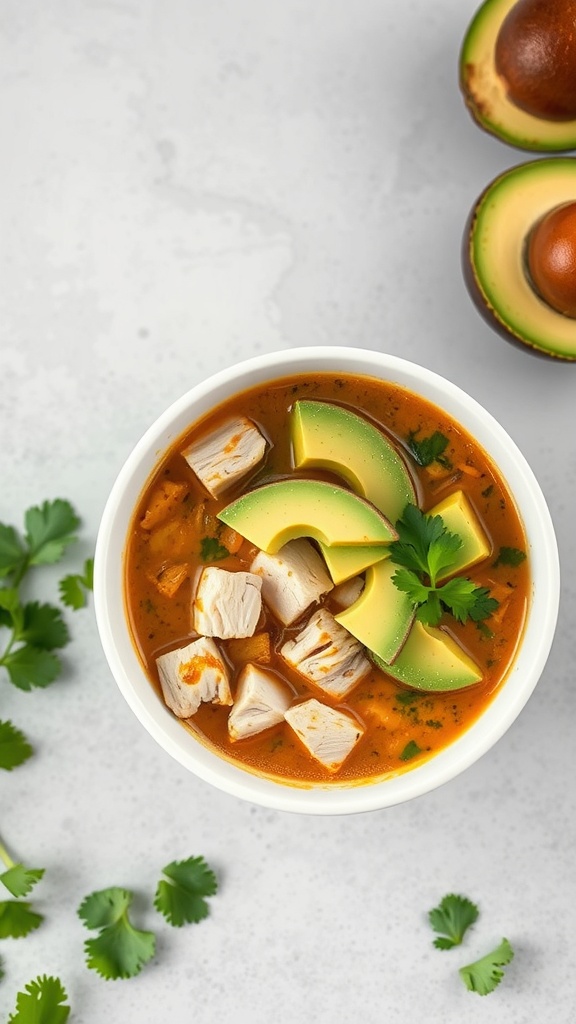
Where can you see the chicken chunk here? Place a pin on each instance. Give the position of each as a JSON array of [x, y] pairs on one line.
[[261, 700], [223, 457], [226, 604], [327, 655], [292, 580], [328, 734], [192, 674], [348, 592]]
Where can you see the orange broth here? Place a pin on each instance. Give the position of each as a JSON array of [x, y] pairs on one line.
[[403, 726]]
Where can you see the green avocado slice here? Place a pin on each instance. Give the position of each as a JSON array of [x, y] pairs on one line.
[[328, 436], [381, 617], [494, 261], [275, 513], [486, 95], [345, 562], [432, 660]]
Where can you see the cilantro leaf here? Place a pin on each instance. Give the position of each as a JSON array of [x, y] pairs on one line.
[[181, 899], [43, 626], [452, 918], [14, 747], [429, 449], [484, 975], [425, 550], [510, 556], [74, 588], [29, 667], [42, 1002], [20, 880], [50, 527], [211, 550], [120, 950], [12, 553], [410, 750], [17, 919]]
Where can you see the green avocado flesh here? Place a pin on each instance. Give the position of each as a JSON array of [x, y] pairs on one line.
[[502, 219], [327, 436], [381, 617], [460, 518], [275, 513], [345, 562], [431, 660], [486, 95]]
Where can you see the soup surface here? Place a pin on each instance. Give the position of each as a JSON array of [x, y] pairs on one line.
[[175, 534]]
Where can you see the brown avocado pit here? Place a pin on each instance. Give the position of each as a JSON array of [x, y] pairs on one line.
[[535, 55], [519, 256], [551, 258], [518, 72]]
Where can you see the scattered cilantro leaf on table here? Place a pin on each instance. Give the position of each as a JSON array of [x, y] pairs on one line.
[[20, 880], [484, 975], [120, 950], [42, 1002], [181, 899], [425, 549], [74, 587], [14, 747], [17, 919], [451, 919]]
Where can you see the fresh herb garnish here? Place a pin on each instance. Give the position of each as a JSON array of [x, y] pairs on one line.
[[484, 975], [510, 556], [211, 550], [451, 919], [425, 550], [120, 950], [42, 1002], [17, 918], [181, 899], [427, 450], [74, 587], [14, 747], [410, 750]]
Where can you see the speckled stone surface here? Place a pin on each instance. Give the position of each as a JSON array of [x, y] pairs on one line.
[[184, 184]]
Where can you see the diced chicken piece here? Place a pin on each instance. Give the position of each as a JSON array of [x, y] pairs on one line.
[[327, 655], [192, 674], [328, 734], [223, 457], [227, 604], [164, 500], [169, 580], [348, 592], [292, 580], [261, 701]]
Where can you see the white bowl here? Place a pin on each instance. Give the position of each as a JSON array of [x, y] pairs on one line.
[[130, 676]]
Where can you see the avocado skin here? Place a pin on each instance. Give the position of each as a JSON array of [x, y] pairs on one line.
[[479, 82], [480, 301]]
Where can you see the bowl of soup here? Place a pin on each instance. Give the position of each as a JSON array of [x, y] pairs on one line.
[[326, 580]]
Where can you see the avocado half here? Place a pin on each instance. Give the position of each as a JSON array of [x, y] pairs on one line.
[[494, 255], [486, 95]]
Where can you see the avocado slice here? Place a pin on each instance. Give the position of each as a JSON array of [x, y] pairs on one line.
[[328, 436], [381, 617], [345, 562], [460, 518], [432, 660], [275, 513], [494, 255], [486, 94]]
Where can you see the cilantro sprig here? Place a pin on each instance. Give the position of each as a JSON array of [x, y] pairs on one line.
[[120, 950], [451, 919], [181, 896], [425, 550], [17, 918], [484, 975], [43, 1001]]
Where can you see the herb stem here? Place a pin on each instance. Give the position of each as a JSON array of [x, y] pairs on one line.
[[5, 856]]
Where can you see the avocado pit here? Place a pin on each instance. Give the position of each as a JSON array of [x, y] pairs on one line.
[[535, 54], [551, 258]]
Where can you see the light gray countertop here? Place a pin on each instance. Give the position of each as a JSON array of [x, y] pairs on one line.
[[185, 184]]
